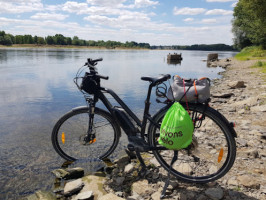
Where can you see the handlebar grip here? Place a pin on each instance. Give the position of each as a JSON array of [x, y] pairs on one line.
[[97, 60], [103, 77]]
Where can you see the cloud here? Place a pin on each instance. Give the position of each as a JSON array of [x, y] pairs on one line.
[[188, 19], [49, 16], [219, 12], [188, 11], [145, 3], [74, 7], [222, 1], [208, 21], [111, 3], [20, 6]]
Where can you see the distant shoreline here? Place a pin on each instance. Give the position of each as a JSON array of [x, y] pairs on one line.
[[67, 47], [93, 47]]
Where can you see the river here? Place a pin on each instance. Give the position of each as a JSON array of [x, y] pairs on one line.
[[37, 88]]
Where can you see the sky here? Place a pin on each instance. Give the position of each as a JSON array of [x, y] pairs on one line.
[[157, 22]]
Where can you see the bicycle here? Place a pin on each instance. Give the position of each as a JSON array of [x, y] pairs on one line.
[[93, 132]]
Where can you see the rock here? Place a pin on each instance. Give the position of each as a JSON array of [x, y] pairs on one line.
[[184, 168], [95, 184], [155, 162], [119, 180], [133, 197], [253, 153], [212, 57], [73, 187], [122, 162], [202, 197], [40, 195], [141, 188], [129, 168], [222, 95], [84, 196], [248, 181], [71, 173], [213, 169], [236, 84], [232, 182], [215, 193], [258, 108], [242, 142], [252, 101], [110, 196], [156, 195]]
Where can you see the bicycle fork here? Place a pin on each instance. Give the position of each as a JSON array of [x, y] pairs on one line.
[[91, 137]]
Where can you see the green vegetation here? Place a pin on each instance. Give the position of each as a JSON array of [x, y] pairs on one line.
[[251, 53], [202, 47], [249, 23], [59, 39], [261, 65]]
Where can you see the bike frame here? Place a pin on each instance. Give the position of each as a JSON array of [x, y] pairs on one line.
[[146, 116]]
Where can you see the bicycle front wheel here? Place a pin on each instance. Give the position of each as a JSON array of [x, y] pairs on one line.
[[69, 133], [211, 153]]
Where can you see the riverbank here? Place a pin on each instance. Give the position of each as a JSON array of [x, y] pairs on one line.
[[240, 96], [68, 47]]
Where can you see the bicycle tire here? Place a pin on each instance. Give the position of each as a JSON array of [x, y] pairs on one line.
[[200, 162], [73, 126]]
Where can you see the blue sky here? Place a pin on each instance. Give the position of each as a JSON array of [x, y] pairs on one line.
[[158, 22]]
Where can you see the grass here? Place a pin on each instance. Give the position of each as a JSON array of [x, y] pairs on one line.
[[251, 53], [261, 65]]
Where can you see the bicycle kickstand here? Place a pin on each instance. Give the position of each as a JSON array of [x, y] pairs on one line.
[[143, 170], [168, 178]]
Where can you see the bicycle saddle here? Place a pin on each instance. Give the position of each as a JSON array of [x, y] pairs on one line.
[[156, 80]]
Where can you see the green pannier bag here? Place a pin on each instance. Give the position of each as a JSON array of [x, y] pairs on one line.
[[176, 129]]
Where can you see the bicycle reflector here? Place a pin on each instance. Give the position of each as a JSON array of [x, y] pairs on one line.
[[220, 156], [63, 137]]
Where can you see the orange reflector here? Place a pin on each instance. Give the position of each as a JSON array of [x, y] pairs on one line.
[[92, 141], [221, 153], [63, 137]]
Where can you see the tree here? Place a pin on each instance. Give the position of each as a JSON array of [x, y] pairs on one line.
[[249, 23]]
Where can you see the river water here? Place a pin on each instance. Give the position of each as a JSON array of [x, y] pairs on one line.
[[37, 88]]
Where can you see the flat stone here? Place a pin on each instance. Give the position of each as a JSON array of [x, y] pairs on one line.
[[232, 182], [258, 108], [141, 188], [215, 193], [95, 184], [110, 196], [222, 95], [248, 181], [129, 168], [119, 180], [184, 168], [73, 187], [84, 196], [236, 84], [71, 173]]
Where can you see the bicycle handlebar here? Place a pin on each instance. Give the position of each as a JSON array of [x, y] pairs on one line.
[[90, 62]]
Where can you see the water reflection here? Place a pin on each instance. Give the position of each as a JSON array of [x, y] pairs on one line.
[[37, 88]]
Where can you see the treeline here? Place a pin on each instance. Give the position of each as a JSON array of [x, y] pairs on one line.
[[249, 23], [201, 47], [59, 39]]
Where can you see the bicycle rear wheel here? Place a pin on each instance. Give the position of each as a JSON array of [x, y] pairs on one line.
[[211, 153], [69, 133]]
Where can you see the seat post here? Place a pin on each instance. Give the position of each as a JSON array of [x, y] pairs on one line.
[[146, 110]]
